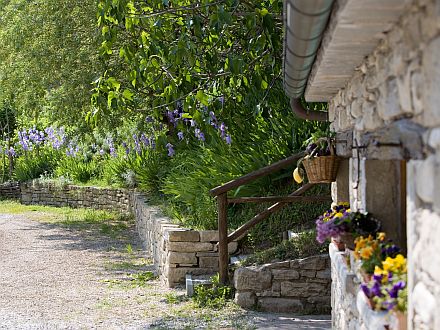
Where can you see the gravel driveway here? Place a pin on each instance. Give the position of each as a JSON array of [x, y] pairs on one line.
[[56, 277]]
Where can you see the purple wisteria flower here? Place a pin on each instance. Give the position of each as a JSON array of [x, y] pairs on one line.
[[228, 139], [223, 128], [193, 123], [180, 136], [171, 151], [222, 100]]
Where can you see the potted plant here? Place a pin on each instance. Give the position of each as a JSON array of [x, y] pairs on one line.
[[387, 289], [342, 226], [321, 163]]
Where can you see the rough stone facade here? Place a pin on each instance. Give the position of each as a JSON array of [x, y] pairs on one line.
[[10, 190], [400, 81], [176, 251], [50, 194], [300, 286]]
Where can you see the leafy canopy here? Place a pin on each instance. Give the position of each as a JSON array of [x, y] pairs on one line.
[[196, 53]]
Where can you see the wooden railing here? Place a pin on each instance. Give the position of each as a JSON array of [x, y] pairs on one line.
[[223, 201]]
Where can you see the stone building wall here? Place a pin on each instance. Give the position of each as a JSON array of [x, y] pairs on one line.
[[297, 286], [50, 194], [176, 251], [10, 190], [400, 81]]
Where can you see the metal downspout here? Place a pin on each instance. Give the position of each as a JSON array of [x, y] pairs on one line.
[[303, 113]]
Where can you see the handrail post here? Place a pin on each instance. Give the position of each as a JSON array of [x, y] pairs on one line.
[[223, 254]]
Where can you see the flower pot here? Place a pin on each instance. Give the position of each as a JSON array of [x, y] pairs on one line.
[[401, 320], [338, 243]]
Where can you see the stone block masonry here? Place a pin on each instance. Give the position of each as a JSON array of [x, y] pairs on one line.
[[10, 190], [300, 286], [176, 251], [50, 194]]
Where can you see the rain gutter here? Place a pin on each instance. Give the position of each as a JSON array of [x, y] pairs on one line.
[[304, 23]]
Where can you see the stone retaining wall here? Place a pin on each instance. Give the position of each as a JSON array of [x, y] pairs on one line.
[[176, 251], [297, 286], [10, 190], [50, 194]]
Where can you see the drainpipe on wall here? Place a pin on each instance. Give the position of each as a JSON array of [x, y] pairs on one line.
[[304, 25], [307, 114]]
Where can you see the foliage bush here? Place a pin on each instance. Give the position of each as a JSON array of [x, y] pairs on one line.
[[214, 295], [36, 164], [79, 169]]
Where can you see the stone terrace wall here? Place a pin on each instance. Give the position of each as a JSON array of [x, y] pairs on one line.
[[296, 286], [401, 79], [176, 251], [10, 190], [35, 192]]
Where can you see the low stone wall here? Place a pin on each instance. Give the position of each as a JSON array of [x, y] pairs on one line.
[[10, 190], [50, 194], [176, 251], [297, 286]]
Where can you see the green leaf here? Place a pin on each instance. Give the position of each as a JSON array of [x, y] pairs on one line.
[[202, 97], [127, 94]]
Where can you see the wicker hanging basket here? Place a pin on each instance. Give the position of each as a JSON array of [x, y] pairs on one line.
[[322, 169]]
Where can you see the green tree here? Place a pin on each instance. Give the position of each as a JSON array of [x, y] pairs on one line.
[[224, 54], [48, 57]]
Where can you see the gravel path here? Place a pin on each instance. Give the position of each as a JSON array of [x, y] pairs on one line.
[[55, 277]]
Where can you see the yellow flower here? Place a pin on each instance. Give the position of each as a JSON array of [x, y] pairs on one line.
[[381, 236], [366, 252], [338, 215], [397, 264], [378, 271]]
